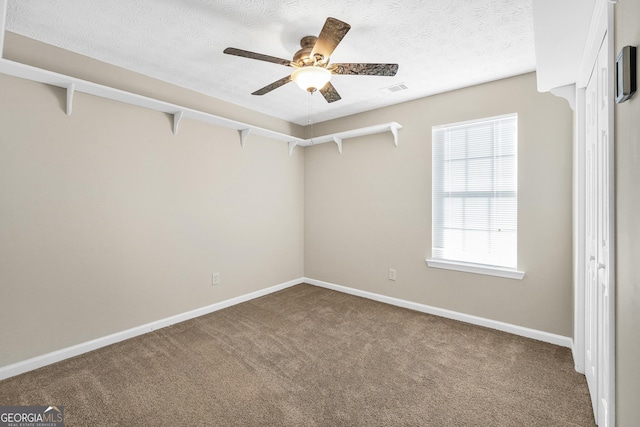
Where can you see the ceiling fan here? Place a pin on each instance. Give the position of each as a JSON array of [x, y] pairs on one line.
[[312, 68]]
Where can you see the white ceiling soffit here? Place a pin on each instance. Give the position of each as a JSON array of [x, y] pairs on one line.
[[561, 29], [440, 45]]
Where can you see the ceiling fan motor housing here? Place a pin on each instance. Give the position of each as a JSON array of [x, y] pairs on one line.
[[303, 56]]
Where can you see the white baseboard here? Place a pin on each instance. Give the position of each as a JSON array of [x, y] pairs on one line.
[[76, 350], [493, 324]]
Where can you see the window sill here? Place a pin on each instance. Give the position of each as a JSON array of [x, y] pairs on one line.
[[476, 268]]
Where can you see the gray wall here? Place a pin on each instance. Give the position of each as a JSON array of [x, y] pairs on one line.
[[627, 137], [108, 221], [369, 209]]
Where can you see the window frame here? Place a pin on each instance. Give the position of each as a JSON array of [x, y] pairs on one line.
[[464, 266]]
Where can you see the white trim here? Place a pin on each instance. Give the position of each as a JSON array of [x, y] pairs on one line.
[[78, 349], [465, 267], [610, 369], [597, 30], [467, 318], [3, 21], [475, 121], [579, 185], [568, 93]]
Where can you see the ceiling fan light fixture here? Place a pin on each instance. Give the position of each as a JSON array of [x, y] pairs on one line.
[[311, 62], [311, 78]]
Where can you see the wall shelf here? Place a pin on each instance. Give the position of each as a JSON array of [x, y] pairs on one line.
[[369, 130], [73, 85]]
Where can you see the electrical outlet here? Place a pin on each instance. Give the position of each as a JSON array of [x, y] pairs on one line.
[[392, 274], [215, 279]]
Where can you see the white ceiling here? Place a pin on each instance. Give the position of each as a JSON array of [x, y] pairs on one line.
[[439, 45]]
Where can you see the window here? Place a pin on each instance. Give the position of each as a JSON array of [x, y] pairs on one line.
[[475, 196]]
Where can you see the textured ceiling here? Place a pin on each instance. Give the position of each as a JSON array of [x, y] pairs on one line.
[[439, 45]]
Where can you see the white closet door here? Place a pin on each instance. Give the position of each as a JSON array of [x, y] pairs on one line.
[[598, 229], [604, 168], [591, 238]]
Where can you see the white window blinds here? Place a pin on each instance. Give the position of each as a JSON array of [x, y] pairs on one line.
[[475, 200]]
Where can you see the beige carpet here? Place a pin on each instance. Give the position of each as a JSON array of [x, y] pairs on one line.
[[308, 356]]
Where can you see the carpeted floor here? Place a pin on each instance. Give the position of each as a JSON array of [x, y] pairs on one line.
[[308, 356]]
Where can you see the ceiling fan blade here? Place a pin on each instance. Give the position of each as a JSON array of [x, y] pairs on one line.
[[275, 85], [258, 56], [332, 33], [365, 69], [330, 93]]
